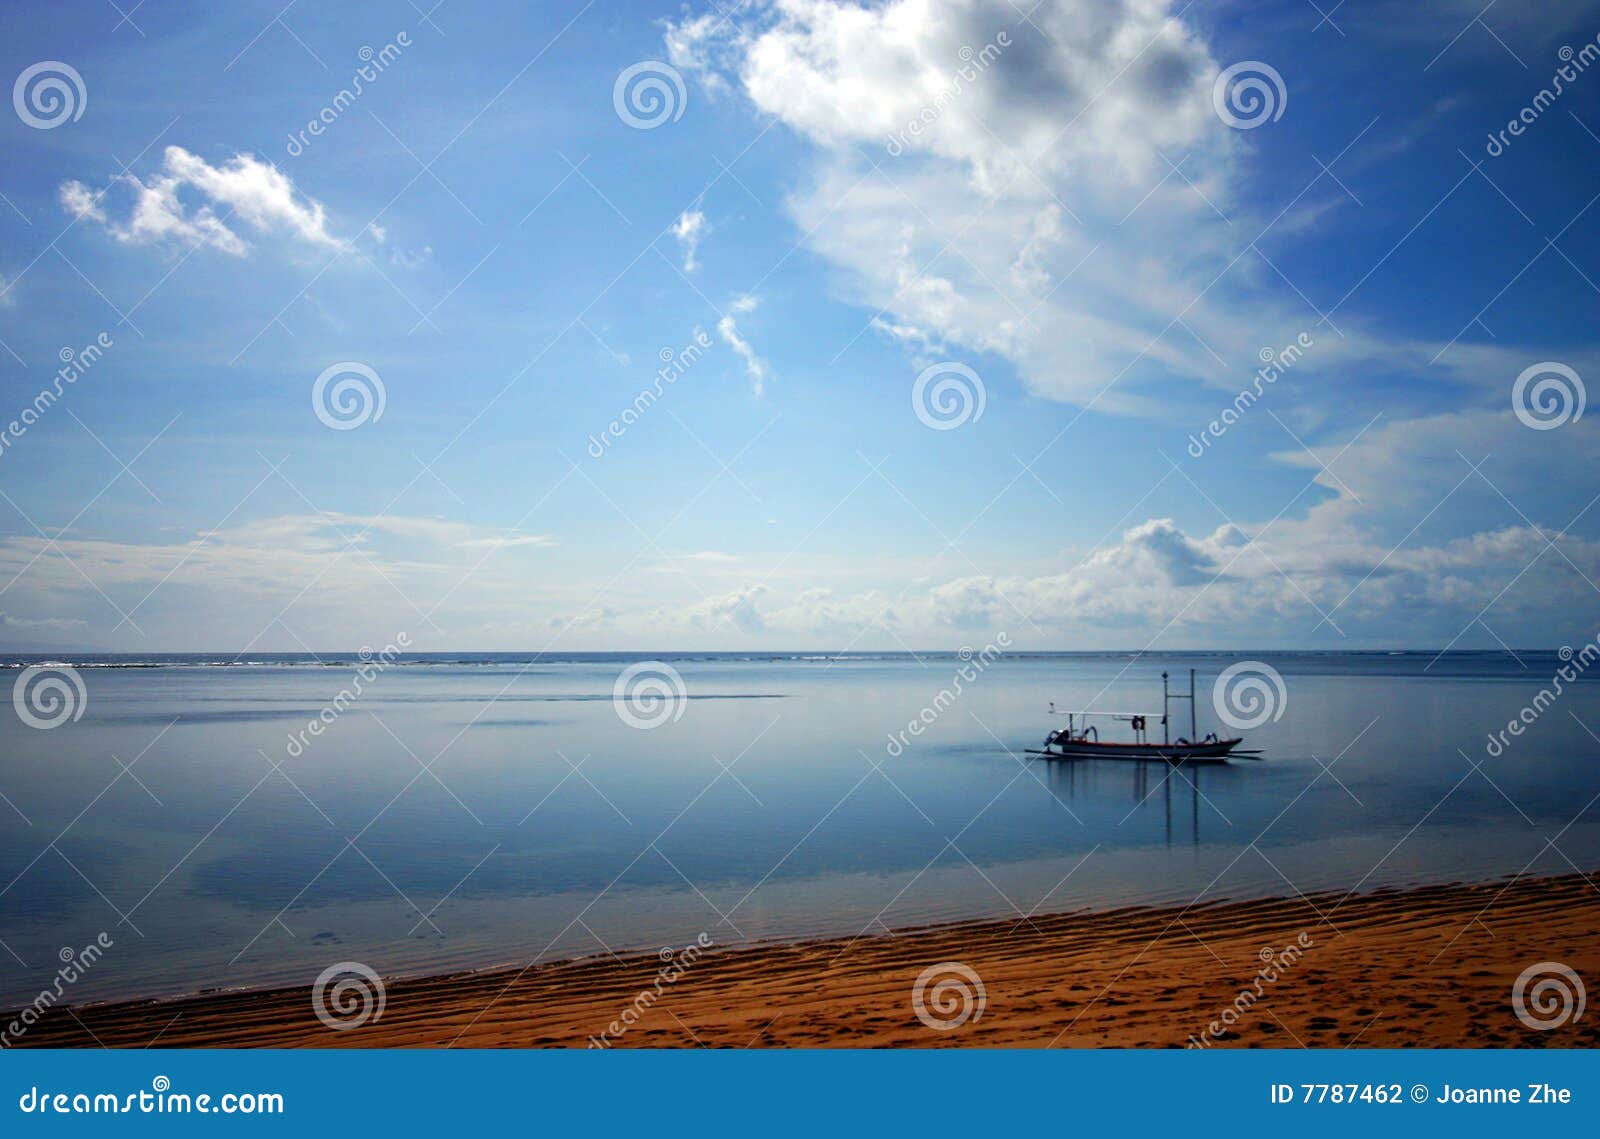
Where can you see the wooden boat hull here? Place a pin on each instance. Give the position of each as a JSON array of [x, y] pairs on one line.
[[1214, 752]]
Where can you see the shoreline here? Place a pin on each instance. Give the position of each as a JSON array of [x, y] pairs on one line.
[[1425, 966]]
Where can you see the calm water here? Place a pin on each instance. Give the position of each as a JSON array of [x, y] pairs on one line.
[[474, 811]]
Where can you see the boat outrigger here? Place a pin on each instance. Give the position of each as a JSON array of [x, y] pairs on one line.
[[1080, 739]]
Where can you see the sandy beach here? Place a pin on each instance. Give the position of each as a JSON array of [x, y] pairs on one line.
[[1430, 966]]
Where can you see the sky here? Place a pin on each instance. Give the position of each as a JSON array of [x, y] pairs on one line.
[[795, 324]]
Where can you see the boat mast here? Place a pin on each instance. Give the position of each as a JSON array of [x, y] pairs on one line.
[[1166, 733], [1167, 698]]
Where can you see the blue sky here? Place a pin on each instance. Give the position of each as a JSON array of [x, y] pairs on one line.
[[1083, 222]]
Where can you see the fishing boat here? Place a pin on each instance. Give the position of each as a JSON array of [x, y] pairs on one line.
[[1080, 739]]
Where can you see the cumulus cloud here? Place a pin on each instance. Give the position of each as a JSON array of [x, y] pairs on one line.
[[78, 201], [754, 366], [1113, 86], [973, 176], [1281, 581], [1157, 583], [191, 202], [689, 229], [738, 609], [1057, 190]]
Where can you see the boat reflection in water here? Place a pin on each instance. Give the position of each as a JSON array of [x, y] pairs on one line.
[[1140, 783]]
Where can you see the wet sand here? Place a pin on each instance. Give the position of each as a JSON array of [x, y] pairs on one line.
[[1432, 966]]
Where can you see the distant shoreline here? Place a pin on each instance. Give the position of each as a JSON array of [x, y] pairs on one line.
[[343, 658], [1429, 966]]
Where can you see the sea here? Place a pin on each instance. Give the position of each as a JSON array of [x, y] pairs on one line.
[[220, 822]]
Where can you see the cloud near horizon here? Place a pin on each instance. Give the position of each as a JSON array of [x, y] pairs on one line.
[[452, 585]]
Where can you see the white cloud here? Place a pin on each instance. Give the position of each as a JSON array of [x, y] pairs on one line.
[[1232, 587], [1158, 584], [995, 188], [705, 557], [392, 565], [1114, 85], [404, 258], [411, 258], [80, 203], [689, 229], [737, 609], [1244, 585], [1402, 471], [508, 542], [690, 42], [754, 366], [244, 189], [1058, 191], [7, 621]]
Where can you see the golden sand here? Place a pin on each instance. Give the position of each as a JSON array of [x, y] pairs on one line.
[[1428, 966]]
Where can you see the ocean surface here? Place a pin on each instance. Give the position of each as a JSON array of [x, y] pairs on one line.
[[466, 810]]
